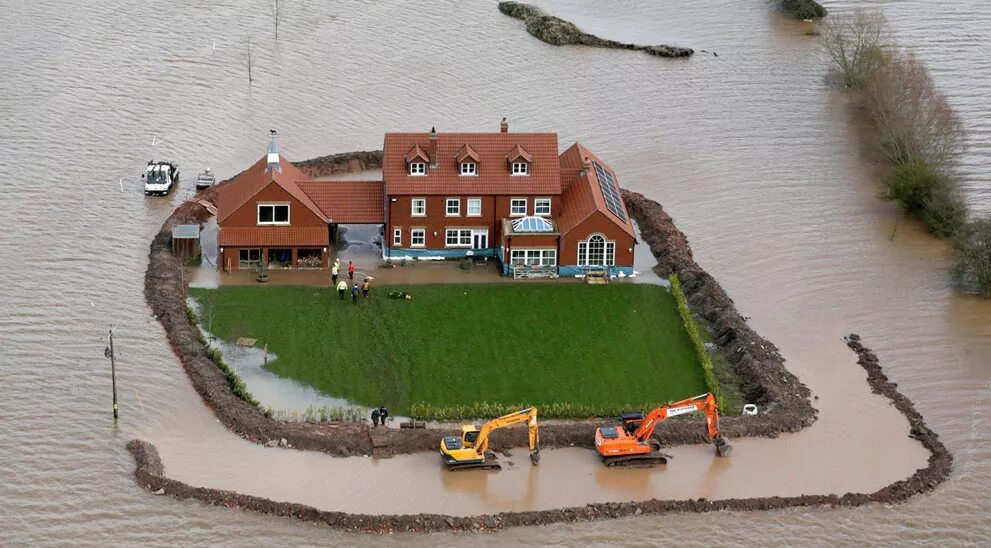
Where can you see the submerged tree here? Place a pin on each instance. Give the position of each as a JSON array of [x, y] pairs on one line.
[[276, 16], [854, 43], [972, 247], [248, 61]]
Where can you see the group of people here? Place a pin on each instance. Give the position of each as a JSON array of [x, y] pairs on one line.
[[342, 286], [379, 415]]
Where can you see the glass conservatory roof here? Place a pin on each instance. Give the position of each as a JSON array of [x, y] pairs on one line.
[[532, 224]]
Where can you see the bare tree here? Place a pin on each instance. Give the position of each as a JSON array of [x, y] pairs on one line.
[[915, 122], [854, 43], [248, 59], [973, 253]]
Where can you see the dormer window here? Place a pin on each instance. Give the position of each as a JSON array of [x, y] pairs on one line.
[[416, 161], [519, 161], [469, 168], [467, 160]]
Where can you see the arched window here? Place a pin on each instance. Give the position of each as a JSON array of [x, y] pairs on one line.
[[596, 251]]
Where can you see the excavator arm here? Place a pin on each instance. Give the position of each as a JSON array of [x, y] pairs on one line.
[[527, 415], [705, 402]]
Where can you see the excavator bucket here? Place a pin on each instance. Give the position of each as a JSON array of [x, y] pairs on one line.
[[535, 457], [723, 448]]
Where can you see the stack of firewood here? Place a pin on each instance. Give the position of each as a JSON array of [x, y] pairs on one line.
[[313, 261]]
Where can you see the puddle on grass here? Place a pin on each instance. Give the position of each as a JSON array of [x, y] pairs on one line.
[[286, 397]]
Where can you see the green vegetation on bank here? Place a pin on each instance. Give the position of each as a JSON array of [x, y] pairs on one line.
[[233, 380], [804, 9], [583, 350], [918, 132]]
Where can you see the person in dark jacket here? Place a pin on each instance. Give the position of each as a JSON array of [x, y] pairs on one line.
[[375, 418], [383, 413], [354, 293]]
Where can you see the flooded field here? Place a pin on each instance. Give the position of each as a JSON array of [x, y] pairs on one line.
[[750, 151]]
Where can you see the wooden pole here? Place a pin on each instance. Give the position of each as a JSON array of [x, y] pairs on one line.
[[113, 372]]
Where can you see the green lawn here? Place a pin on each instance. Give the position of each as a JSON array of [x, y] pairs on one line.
[[458, 344]]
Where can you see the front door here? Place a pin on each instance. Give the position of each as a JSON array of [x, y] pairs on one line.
[[480, 239]]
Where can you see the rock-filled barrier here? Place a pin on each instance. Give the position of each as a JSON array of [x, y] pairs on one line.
[[150, 474], [558, 32]]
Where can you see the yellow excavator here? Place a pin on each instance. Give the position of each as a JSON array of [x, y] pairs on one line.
[[470, 451]]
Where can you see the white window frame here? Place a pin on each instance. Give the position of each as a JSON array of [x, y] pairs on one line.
[[249, 263], [397, 236], [423, 207], [477, 202], [462, 237], [468, 169], [417, 169], [608, 251], [533, 257], [422, 233], [536, 206], [513, 202], [457, 207], [273, 222], [520, 169]]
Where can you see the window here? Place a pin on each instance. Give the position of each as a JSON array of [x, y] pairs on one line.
[[397, 236], [534, 257], [469, 168], [517, 207], [458, 237], [521, 168], [453, 207], [419, 208], [474, 207], [273, 214], [249, 258], [542, 206], [417, 168], [417, 237], [596, 252]]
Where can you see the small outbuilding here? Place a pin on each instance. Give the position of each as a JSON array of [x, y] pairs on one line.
[[186, 241]]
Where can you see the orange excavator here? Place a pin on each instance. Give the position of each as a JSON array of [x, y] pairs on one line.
[[630, 443]]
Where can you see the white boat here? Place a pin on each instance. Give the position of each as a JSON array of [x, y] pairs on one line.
[[205, 179], [160, 177]]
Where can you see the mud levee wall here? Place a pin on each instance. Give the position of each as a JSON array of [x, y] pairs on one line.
[[558, 32], [782, 399], [335, 164], [150, 474]]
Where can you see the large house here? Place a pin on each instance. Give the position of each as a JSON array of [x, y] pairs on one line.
[[505, 196]]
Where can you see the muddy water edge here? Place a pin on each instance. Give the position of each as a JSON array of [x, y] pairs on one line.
[[750, 152]]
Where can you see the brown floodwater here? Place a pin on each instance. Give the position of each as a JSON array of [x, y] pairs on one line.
[[751, 152]]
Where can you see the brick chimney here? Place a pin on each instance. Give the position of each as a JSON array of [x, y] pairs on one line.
[[504, 125], [586, 165], [432, 149]]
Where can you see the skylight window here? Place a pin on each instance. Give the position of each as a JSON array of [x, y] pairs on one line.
[[532, 224]]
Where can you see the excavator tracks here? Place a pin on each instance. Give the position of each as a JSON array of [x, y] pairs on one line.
[[637, 461]]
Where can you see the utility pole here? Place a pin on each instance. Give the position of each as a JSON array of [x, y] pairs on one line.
[[109, 352]]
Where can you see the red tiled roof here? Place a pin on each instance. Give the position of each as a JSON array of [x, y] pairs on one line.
[[494, 175], [348, 201], [519, 152], [583, 196], [249, 182], [466, 152], [416, 152], [274, 236]]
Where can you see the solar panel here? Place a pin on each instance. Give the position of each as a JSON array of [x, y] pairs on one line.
[[610, 191]]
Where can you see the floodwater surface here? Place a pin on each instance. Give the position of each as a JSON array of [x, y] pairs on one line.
[[751, 152]]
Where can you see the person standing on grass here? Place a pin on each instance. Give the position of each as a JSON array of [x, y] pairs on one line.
[[354, 293], [342, 286], [334, 270], [365, 286], [351, 270]]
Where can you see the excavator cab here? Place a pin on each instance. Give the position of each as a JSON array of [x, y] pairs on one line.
[[631, 421], [469, 435]]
